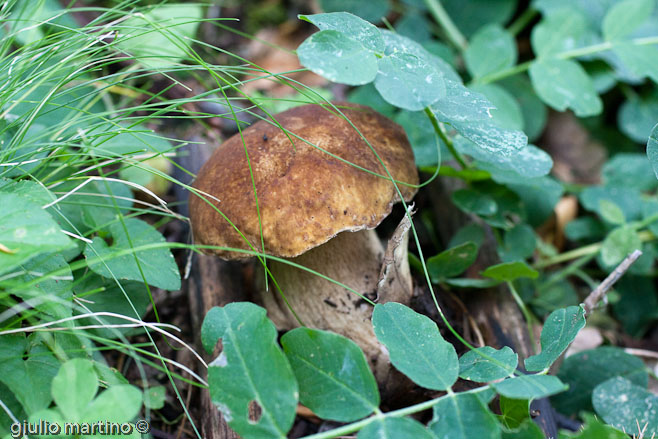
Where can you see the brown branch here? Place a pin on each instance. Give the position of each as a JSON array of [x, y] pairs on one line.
[[599, 292]]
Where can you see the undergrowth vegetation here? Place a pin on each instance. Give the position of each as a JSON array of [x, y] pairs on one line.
[[89, 138]]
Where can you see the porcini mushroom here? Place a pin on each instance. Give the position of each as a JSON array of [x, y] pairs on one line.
[[314, 208]]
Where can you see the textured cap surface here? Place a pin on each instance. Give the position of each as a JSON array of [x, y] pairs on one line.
[[305, 196]]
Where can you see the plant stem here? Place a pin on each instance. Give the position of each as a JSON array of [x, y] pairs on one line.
[[351, 428], [590, 249], [442, 135], [523, 20], [526, 314], [575, 53], [443, 19]]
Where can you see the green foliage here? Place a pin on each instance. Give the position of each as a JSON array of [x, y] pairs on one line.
[[487, 364], [236, 384], [415, 346], [392, 428], [625, 405], [463, 416], [583, 371], [334, 379], [560, 329], [452, 262]]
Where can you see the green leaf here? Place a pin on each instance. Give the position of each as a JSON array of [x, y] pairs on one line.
[[593, 428], [395, 428], [564, 84], [474, 367], [416, 26], [126, 298], [250, 371], [637, 116], [408, 81], [631, 170], [519, 243], [339, 58], [610, 212], [26, 230], [452, 262], [28, 379], [624, 17], [641, 60], [334, 379], [491, 49], [492, 138], [627, 198], [637, 307], [119, 403], [155, 397], [396, 43], [51, 295], [463, 416], [159, 37], [509, 271], [424, 141], [583, 371], [530, 386], [535, 113], [560, 329], [625, 405], [470, 16], [539, 196], [471, 232], [513, 412], [470, 200], [372, 10], [564, 29], [527, 430], [652, 149], [135, 140], [507, 113], [618, 244], [157, 265], [74, 388], [351, 26], [461, 104], [415, 346], [528, 162]]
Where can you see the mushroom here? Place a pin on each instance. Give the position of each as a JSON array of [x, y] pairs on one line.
[[315, 209]]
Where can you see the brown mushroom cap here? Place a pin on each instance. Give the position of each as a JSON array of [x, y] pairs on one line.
[[305, 196]]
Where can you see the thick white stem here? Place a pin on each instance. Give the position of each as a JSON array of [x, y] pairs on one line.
[[354, 259]]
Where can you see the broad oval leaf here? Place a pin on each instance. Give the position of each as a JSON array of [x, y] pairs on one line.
[[618, 244], [490, 50], [626, 16], [26, 230], [463, 416], [473, 201], [409, 82], [159, 37], [491, 137], [625, 405], [461, 104], [334, 379], [594, 428], [583, 371], [416, 346], [564, 84], [509, 271], [243, 373], [339, 58], [74, 388], [530, 386], [119, 403], [452, 262], [475, 367], [560, 329], [352, 26], [528, 162], [156, 266], [562, 30], [641, 60], [395, 428], [637, 117], [507, 113]]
